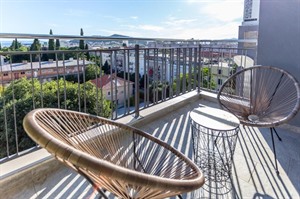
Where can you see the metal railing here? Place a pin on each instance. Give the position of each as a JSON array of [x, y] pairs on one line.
[[111, 82]]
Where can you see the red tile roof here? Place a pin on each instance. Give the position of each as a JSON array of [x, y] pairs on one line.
[[106, 79]]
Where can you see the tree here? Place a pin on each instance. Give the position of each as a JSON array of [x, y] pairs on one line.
[[35, 46], [51, 47], [15, 45], [92, 71], [24, 100], [106, 68], [81, 42], [87, 52], [57, 44], [207, 80]]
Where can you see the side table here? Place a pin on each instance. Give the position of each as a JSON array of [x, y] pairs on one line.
[[214, 136]]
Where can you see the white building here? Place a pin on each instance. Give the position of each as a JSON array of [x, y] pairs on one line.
[[249, 28], [220, 72]]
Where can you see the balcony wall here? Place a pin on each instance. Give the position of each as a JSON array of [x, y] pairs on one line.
[[278, 42]]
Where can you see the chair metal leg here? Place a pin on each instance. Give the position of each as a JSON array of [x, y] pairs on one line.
[[179, 196], [279, 138], [274, 150], [102, 194]]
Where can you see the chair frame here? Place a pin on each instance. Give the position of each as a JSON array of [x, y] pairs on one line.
[[270, 125], [85, 164]]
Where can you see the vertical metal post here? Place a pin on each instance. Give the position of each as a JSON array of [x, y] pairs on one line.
[[57, 81], [32, 83], [199, 69], [78, 81], [65, 83], [137, 72]]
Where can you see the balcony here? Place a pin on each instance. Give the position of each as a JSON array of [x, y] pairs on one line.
[[158, 108]]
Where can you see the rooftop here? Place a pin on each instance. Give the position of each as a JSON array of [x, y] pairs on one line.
[[44, 64], [253, 173]]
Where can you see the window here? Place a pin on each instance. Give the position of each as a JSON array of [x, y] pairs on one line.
[[108, 93], [220, 71], [22, 73], [5, 74], [220, 82]]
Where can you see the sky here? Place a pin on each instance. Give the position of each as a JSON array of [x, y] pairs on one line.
[[175, 19]]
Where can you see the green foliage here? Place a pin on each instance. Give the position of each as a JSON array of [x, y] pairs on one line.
[[92, 71], [207, 80], [51, 47], [87, 54], [106, 68], [81, 42], [35, 46], [23, 95], [15, 45], [1, 90], [131, 76], [57, 44]]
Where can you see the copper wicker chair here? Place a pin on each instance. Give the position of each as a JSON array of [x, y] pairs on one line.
[[261, 96], [115, 157]]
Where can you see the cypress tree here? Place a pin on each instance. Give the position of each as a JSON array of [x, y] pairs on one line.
[[35, 46], [81, 42], [57, 44], [15, 45], [51, 46]]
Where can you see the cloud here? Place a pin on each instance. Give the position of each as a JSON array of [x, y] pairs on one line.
[[150, 27], [179, 22], [225, 10], [134, 17]]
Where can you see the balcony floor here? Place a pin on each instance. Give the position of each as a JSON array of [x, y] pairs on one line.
[[253, 173]]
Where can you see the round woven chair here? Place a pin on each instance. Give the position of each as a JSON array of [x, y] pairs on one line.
[[115, 157], [261, 96]]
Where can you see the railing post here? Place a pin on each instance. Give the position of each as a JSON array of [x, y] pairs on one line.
[[137, 79], [199, 69]]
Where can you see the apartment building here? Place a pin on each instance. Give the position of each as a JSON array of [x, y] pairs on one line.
[[45, 69]]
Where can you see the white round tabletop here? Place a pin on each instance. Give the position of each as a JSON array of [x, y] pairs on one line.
[[214, 118]]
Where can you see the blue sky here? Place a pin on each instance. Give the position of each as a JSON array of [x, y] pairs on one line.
[[182, 19]]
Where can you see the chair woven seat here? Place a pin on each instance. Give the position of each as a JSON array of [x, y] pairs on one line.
[[119, 158], [261, 96]]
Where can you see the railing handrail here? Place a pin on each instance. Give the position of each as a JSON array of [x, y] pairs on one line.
[[76, 37]]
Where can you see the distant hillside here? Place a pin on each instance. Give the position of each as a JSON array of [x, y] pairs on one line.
[[122, 36], [114, 35]]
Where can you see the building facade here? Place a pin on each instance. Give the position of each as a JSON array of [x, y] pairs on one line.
[[249, 28], [45, 69]]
